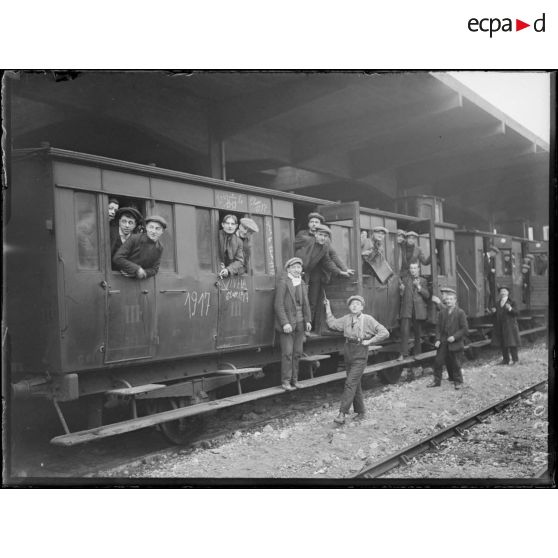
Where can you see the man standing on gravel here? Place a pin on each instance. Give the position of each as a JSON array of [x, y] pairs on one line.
[[450, 331], [360, 330], [292, 319]]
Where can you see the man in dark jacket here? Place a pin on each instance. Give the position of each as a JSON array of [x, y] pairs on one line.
[[127, 221], [246, 229], [140, 255], [231, 251], [292, 319], [314, 253], [414, 296], [490, 275], [411, 253], [450, 331], [506, 330]]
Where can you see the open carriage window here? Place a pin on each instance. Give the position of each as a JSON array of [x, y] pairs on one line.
[[540, 264], [441, 257], [168, 258], [87, 230], [507, 261]]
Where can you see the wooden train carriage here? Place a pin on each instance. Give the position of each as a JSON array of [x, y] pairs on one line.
[[536, 254], [472, 284], [79, 328]]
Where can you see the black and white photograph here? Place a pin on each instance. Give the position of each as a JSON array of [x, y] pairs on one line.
[[291, 278]]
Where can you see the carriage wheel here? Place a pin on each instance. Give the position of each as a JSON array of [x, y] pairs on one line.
[[390, 376], [181, 431]]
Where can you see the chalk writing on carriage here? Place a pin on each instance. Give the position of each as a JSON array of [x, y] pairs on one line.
[[230, 201], [234, 288], [259, 205], [197, 304]]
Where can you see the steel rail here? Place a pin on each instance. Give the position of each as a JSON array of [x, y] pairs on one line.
[[404, 456]]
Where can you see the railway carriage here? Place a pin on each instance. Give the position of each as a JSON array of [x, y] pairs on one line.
[[80, 331]]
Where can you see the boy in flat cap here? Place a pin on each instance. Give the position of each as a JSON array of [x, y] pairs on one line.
[[140, 255], [314, 220], [490, 275], [450, 331], [128, 221], [360, 331], [314, 253], [231, 250], [246, 228], [413, 311], [410, 253], [375, 256], [292, 319]]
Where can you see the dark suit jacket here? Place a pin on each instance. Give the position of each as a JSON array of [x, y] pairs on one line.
[[233, 256], [314, 255], [138, 251], [285, 305], [506, 330], [452, 324], [412, 298]]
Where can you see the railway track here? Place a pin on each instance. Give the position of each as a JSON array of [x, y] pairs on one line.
[[432, 443]]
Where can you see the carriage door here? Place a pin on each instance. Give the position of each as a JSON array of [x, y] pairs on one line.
[[131, 314], [81, 275], [344, 221]]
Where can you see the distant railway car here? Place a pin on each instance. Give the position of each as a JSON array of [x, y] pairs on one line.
[[520, 265], [79, 330]]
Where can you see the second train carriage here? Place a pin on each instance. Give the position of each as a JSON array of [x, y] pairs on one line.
[[80, 331]]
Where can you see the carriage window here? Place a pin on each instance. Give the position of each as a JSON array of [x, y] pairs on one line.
[[441, 257], [541, 264], [507, 261], [87, 232], [341, 242], [204, 236], [168, 259], [258, 243], [269, 246], [286, 242]]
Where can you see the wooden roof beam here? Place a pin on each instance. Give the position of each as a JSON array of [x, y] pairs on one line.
[[351, 133], [243, 112], [415, 147]]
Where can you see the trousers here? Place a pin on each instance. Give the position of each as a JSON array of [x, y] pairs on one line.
[[452, 360], [314, 290], [356, 357], [506, 354], [291, 351], [405, 334]]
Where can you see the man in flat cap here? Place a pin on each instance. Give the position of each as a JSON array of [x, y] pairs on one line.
[[314, 253], [231, 249], [246, 228], [303, 236], [410, 252], [375, 256], [292, 320], [490, 276], [413, 311], [128, 221], [360, 331], [450, 331], [140, 255]]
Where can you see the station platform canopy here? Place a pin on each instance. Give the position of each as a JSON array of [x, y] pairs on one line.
[[371, 137]]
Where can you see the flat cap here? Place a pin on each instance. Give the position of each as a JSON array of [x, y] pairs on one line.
[[292, 261], [380, 229], [156, 219], [316, 215], [401, 231], [493, 248], [323, 228], [249, 224], [503, 287], [411, 233], [129, 211], [447, 290], [355, 297]]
